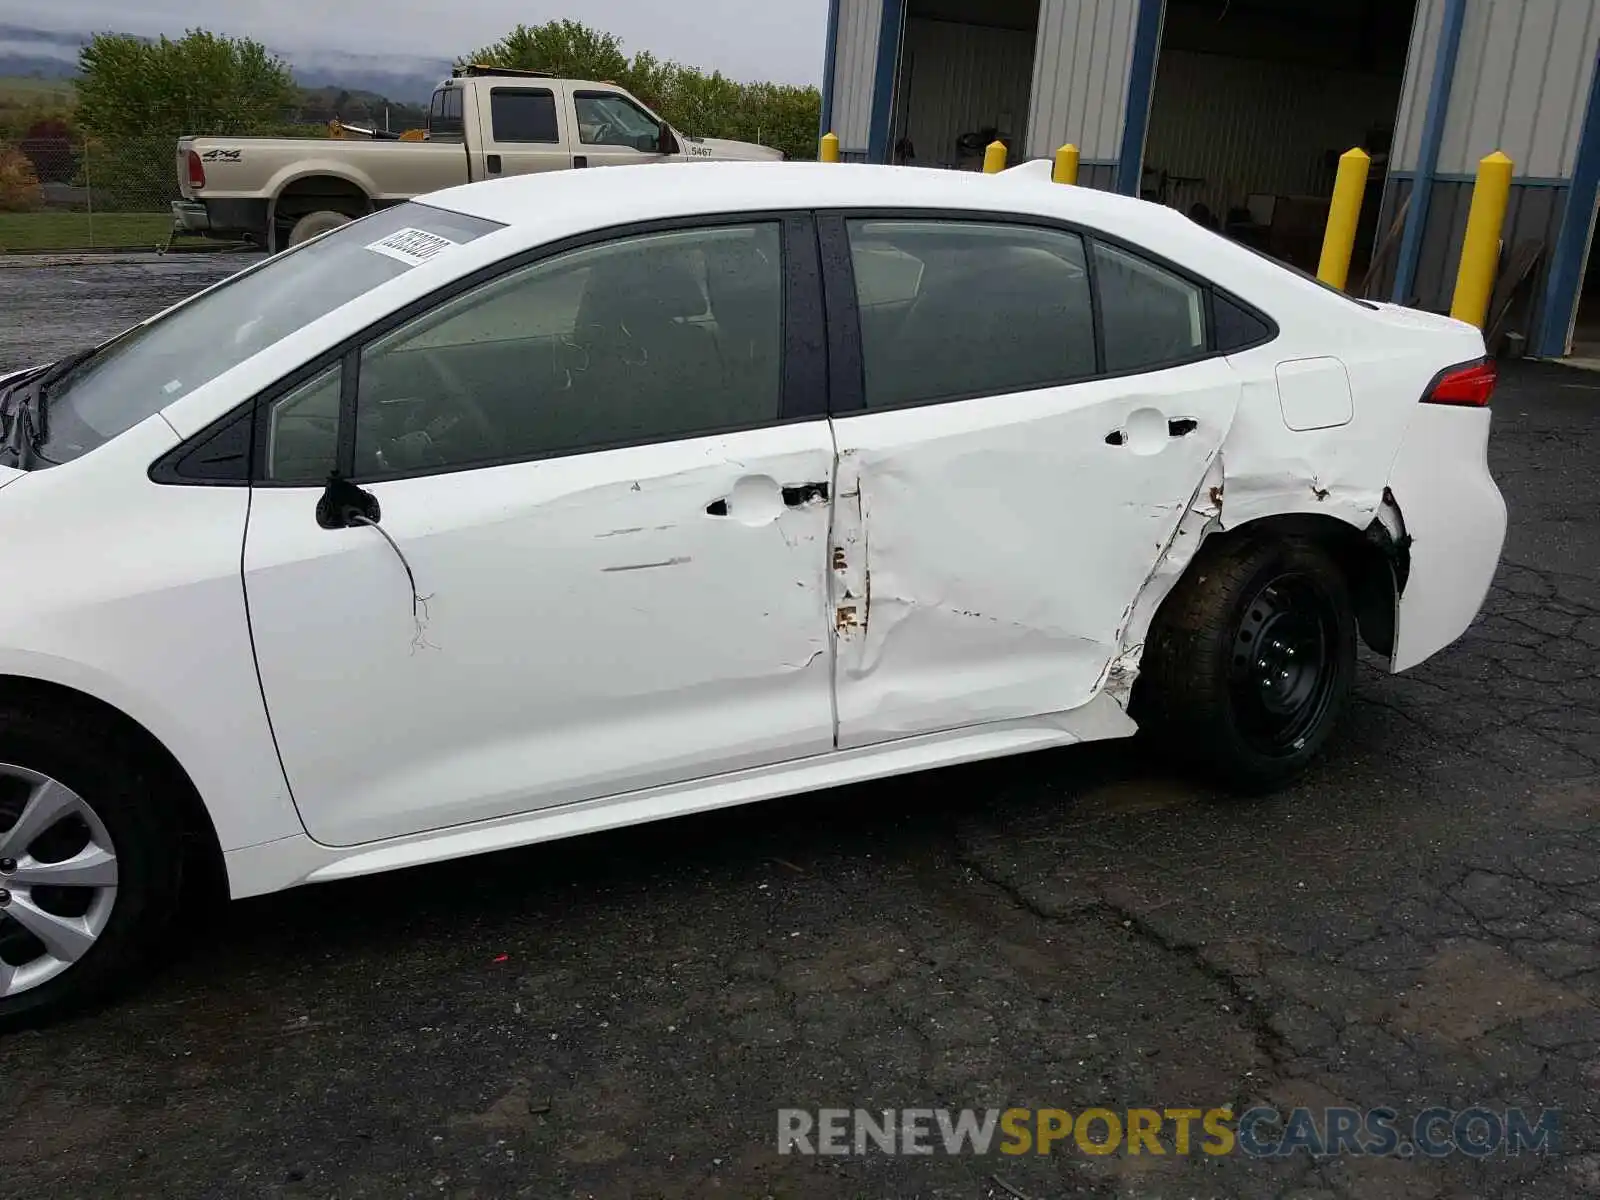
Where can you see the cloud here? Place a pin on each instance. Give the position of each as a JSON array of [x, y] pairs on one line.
[[744, 39]]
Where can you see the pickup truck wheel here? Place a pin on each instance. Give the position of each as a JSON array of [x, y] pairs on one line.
[[315, 224]]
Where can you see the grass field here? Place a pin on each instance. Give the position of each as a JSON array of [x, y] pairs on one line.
[[21, 91], [83, 231]]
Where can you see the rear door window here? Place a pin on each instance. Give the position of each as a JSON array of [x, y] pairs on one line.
[[1151, 317], [525, 115], [954, 309]]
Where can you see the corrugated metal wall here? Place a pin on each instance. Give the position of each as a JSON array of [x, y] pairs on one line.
[[1247, 126], [1425, 34], [854, 67], [1521, 81], [1080, 76], [1535, 212], [956, 78], [1525, 67]]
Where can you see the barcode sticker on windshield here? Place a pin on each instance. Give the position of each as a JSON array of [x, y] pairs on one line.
[[411, 246]]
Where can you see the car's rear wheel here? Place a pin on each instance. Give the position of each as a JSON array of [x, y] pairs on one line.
[[1247, 670], [90, 865]]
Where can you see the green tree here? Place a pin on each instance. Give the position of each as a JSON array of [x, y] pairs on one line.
[[199, 84], [567, 48]]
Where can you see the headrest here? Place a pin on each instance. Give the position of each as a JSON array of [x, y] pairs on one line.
[[635, 289]]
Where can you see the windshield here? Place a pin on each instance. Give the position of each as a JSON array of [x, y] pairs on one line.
[[139, 373]]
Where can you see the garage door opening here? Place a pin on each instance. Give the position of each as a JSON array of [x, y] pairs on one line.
[[1254, 102], [1584, 344], [966, 72]]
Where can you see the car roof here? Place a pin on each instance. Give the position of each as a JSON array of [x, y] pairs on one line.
[[558, 203]]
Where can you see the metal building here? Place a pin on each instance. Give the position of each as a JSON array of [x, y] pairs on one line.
[[1236, 111]]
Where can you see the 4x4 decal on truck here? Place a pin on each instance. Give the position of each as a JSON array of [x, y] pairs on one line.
[[223, 156]]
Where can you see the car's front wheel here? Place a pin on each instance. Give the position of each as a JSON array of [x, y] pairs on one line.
[[90, 866], [1248, 667]]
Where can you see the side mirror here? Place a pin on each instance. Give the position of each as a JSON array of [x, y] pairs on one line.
[[667, 143]]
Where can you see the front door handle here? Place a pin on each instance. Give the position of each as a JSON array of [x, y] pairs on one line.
[[801, 494], [580, 160], [494, 164], [760, 500]]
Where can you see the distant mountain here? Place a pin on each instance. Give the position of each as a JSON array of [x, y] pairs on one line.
[[406, 78]]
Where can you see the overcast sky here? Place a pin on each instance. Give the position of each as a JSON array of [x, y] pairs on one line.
[[749, 39]]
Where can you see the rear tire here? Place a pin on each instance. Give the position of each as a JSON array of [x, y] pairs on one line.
[[314, 225], [95, 807], [1248, 667]]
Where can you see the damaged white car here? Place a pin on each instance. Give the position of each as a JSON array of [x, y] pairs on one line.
[[562, 503]]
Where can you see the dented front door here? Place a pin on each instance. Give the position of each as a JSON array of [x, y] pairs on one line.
[[548, 632], [986, 553]]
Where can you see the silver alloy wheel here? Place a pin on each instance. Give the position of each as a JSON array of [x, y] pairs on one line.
[[58, 879]]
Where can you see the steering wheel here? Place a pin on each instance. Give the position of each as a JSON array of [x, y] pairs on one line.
[[460, 395], [417, 444]]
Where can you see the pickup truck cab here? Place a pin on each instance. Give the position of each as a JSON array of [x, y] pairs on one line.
[[483, 123]]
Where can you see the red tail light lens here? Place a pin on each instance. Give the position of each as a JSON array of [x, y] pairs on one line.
[[197, 170], [1471, 385]]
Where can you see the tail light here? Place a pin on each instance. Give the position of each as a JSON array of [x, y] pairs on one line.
[[1471, 385], [197, 170]]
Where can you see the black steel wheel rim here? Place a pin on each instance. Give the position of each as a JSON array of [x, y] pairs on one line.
[[1285, 664]]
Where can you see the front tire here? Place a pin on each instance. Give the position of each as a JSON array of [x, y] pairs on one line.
[[1248, 667], [90, 863]]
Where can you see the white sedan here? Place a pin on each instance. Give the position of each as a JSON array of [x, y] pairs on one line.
[[561, 503]]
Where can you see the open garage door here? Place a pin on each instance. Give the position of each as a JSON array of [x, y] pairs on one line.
[[1254, 102], [966, 70]]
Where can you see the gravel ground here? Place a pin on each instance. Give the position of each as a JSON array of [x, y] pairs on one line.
[[1416, 924]]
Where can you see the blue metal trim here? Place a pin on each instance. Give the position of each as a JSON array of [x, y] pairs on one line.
[[1523, 181], [1567, 264], [1444, 72], [830, 63], [883, 80], [1141, 83]]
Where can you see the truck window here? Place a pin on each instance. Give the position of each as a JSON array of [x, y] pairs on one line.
[[523, 115], [445, 115], [607, 119]]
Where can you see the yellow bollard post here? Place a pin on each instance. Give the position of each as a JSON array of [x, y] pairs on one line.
[[1480, 250], [1066, 168], [1349, 189], [830, 148], [994, 158]]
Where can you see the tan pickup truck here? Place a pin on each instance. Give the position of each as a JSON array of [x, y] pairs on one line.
[[484, 122]]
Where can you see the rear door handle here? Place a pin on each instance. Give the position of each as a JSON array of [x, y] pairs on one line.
[[1177, 427]]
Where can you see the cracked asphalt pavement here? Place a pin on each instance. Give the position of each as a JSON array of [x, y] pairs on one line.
[[1416, 924]]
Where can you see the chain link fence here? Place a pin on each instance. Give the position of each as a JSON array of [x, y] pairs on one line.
[[64, 194]]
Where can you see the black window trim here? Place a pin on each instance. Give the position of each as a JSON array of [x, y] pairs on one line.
[[555, 116], [844, 323], [803, 387]]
